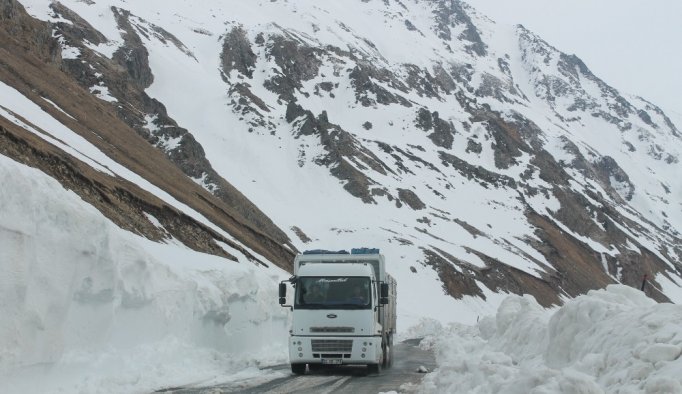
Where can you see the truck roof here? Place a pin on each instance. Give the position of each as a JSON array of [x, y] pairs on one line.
[[336, 256], [354, 251], [376, 260], [336, 269]]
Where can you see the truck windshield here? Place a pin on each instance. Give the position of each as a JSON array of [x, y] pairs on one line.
[[333, 292]]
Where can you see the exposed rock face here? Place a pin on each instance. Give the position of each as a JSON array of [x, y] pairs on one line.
[[411, 199], [611, 174], [473, 146], [451, 14], [443, 131], [369, 93], [342, 149], [508, 143], [133, 54], [79, 28], [477, 173], [29, 33], [297, 63], [237, 53]]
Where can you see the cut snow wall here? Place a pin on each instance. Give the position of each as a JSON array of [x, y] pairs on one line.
[[74, 286]]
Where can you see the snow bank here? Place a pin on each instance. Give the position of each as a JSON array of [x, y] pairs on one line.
[[87, 307], [612, 340]]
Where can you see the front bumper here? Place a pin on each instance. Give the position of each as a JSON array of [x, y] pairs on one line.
[[334, 350]]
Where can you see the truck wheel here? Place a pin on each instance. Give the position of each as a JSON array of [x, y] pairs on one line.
[[387, 356], [298, 369], [390, 351]]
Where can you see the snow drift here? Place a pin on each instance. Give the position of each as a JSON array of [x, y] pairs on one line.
[[611, 340], [88, 307]]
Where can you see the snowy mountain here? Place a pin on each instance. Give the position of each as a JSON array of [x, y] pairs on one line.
[[479, 158]]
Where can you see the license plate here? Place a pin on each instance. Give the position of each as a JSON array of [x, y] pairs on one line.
[[331, 361]]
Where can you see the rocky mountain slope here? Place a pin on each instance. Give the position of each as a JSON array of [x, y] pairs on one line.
[[477, 156], [33, 66]]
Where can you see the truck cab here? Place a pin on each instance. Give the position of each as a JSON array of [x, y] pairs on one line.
[[343, 312]]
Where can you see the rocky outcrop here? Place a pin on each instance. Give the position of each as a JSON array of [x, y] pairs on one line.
[[426, 85], [479, 174], [610, 173], [460, 278], [31, 35], [133, 54], [237, 53], [346, 157], [442, 131], [370, 93], [410, 198], [297, 63], [508, 145], [450, 14], [79, 29]]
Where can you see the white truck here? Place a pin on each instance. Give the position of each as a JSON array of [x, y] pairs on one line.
[[343, 310]]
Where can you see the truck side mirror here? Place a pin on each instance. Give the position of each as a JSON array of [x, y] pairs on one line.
[[383, 300], [384, 290], [282, 293]]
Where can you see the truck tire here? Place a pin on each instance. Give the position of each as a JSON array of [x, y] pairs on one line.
[[298, 369], [390, 346], [387, 355]]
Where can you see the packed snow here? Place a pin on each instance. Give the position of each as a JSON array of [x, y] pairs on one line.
[[90, 308], [614, 340]]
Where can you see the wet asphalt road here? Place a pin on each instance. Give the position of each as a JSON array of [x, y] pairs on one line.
[[402, 377]]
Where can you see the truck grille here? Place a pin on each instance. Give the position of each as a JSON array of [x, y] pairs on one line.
[[332, 345], [332, 329]]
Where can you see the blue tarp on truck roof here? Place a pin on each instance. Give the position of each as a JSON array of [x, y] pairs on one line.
[[364, 251], [322, 251], [352, 251]]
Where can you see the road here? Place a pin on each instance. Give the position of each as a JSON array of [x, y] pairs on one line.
[[402, 376]]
